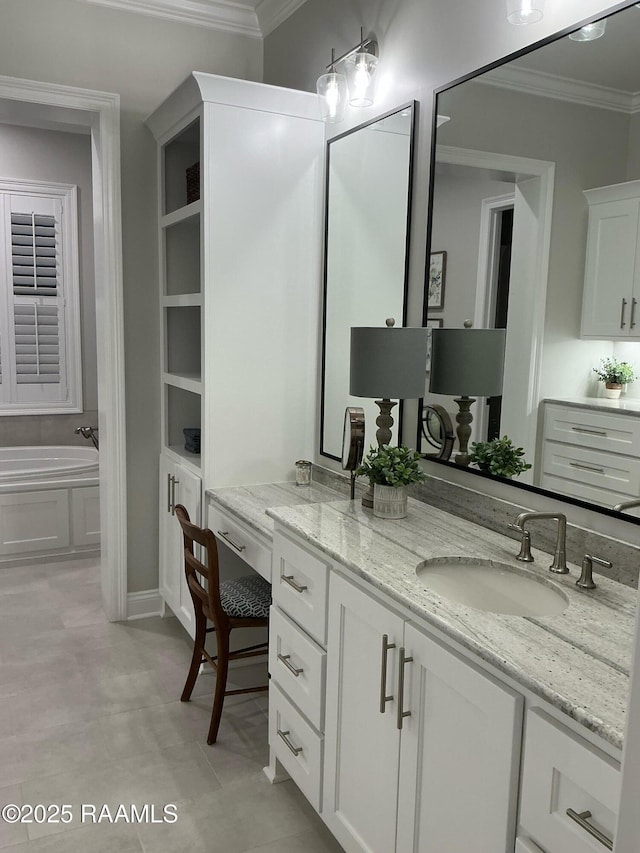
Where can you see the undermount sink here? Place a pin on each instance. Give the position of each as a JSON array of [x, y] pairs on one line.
[[494, 587]]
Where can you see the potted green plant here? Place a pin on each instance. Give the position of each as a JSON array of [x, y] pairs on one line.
[[499, 457], [614, 374], [390, 470]]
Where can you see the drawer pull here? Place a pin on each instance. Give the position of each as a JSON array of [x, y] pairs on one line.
[[587, 467], [401, 712], [289, 579], [296, 750], [602, 432], [224, 534], [581, 818], [285, 660], [386, 645], [624, 305], [632, 324]]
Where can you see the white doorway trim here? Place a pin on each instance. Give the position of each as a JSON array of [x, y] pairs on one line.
[[488, 258], [100, 112]]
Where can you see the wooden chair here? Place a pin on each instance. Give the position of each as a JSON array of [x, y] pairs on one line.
[[239, 603]]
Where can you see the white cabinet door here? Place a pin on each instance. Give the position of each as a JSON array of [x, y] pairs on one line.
[[459, 755], [609, 301], [361, 743], [177, 485]]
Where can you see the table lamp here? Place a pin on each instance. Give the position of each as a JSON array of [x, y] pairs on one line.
[[469, 363]]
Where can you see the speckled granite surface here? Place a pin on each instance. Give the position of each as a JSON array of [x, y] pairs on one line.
[[579, 660], [622, 406]]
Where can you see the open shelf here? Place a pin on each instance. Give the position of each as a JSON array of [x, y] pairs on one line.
[[181, 243], [183, 410], [182, 341], [180, 154], [187, 381]]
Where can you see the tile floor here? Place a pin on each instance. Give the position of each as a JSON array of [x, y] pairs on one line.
[[90, 714]]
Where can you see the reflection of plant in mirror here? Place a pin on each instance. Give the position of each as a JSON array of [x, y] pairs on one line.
[[499, 457], [392, 466], [613, 372]]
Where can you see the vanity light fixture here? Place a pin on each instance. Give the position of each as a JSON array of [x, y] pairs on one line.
[[590, 32], [520, 12], [358, 86]]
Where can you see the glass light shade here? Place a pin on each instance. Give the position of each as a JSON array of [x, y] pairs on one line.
[[590, 32], [332, 95], [520, 12], [360, 70]]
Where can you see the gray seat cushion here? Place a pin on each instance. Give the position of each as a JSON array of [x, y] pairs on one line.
[[246, 597]]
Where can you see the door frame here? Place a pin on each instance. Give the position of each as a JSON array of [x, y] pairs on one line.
[[100, 113]]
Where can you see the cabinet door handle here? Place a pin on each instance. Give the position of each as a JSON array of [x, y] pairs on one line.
[[632, 322], [224, 534], [590, 431], [386, 645], [587, 467], [401, 712], [174, 483], [581, 818], [285, 659], [622, 310], [289, 579], [169, 508], [296, 750]]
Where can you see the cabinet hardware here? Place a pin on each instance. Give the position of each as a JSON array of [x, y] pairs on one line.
[[386, 645], [225, 535], [289, 666], [289, 579], [296, 750], [624, 306], [401, 712], [581, 818], [632, 323], [590, 431], [169, 508], [174, 483], [587, 467]]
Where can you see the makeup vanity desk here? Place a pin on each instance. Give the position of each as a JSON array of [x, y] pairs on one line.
[[383, 692]]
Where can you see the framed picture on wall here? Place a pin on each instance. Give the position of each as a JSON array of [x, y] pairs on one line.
[[431, 325], [437, 272]]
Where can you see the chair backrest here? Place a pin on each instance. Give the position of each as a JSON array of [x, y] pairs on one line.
[[195, 569]]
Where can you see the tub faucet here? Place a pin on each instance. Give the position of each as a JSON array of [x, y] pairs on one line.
[[559, 564], [90, 433]]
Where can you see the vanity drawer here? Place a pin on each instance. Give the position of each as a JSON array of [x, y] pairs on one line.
[[562, 772], [296, 745], [297, 665], [299, 581], [236, 536], [607, 431], [616, 474]]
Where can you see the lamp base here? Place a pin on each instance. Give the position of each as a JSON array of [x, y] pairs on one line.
[[384, 421], [463, 430]]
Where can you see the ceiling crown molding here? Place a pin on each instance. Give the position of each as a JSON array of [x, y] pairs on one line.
[[562, 89], [235, 17]]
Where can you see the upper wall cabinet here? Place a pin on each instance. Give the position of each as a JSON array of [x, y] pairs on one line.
[[239, 189], [612, 271]]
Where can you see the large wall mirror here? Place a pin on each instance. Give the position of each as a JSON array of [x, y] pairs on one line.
[[367, 227], [536, 209]]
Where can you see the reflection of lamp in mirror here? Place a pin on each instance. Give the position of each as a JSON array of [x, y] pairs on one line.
[[520, 12], [469, 363], [590, 32], [332, 93]]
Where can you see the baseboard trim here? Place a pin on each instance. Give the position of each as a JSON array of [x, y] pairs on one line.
[[141, 605]]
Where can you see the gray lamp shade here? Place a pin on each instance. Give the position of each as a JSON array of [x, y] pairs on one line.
[[467, 362], [388, 362]]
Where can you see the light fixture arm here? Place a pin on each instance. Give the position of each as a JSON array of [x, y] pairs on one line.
[[371, 42]]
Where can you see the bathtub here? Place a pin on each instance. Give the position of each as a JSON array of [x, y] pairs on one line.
[[49, 503]]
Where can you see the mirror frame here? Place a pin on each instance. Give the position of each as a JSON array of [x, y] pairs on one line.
[[473, 472], [413, 105]]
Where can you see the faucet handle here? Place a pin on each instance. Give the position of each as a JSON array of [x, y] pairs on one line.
[[585, 580], [525, 543]]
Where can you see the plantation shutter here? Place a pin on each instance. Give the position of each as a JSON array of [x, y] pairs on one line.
[[37, 343], [33, 254]]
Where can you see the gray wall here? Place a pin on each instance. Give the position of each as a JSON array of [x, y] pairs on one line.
[[143, 59], [43, 155]]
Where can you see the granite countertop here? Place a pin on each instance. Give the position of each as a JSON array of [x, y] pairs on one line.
[[579, 660], [623, 405]]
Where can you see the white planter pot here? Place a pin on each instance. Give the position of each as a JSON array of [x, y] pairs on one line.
[[612, 392], [389, 501]]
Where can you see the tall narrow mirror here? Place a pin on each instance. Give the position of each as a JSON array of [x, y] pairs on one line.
[[536, 209], [367, 226]]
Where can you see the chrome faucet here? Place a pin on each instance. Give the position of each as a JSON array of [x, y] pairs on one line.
[[559, 564], [90, 433], [627, 504]]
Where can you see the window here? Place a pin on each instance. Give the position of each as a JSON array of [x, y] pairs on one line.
[[40, 359]]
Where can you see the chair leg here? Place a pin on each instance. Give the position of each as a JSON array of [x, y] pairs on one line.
[[221, 684], [196, 658]]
